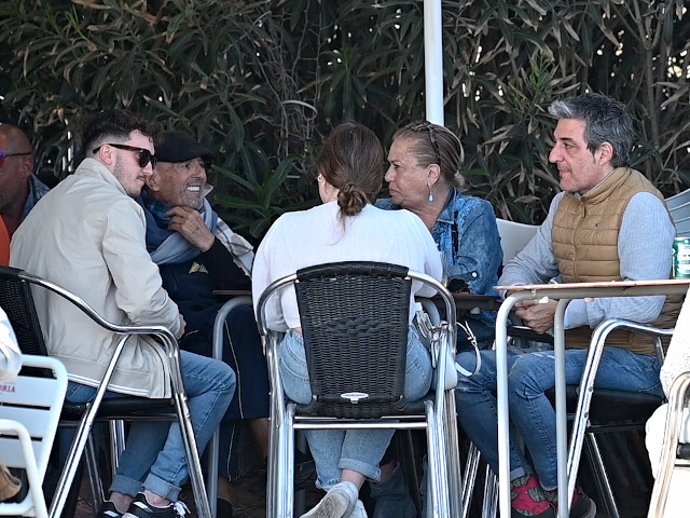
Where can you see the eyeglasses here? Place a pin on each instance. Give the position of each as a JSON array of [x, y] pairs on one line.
[[143, 155], [431, 131], [4, 155]]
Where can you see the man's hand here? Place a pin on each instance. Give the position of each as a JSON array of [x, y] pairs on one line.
[[537, 315], [190, 225]]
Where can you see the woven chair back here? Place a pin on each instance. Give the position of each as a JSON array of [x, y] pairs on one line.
[[16, 300], [355, 320]]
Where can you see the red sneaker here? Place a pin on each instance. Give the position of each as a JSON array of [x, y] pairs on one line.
[[527, 499]]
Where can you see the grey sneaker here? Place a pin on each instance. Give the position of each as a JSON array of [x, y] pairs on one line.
[[339, 502]]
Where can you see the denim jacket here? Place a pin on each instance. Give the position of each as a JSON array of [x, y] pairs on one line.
[[466, 233], [37, 189]]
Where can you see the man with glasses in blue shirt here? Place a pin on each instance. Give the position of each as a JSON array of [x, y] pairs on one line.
[[20, 189]]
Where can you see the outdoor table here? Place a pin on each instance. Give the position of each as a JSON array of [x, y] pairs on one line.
[[232, 293], [564, 293]]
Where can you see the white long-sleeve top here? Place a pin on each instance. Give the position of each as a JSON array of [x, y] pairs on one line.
[[318, 235]]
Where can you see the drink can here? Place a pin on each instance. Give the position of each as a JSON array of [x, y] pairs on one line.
[[681, 257]]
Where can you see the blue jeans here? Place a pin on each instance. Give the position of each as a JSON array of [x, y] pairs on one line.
[[532, 416], [357, 450], [154, 457]]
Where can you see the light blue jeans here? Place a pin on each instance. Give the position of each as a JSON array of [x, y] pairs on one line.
[[532, 416], [154, 457], [357, 450]]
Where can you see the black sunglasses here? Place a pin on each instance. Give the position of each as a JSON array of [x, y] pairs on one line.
[[4, 155], [143, 155]]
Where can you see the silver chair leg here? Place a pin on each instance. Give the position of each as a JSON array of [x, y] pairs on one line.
[[471, 468], [117, 443], [92, 471], [490, 494], [192, 455], [437, 468], [452, 453], [79, 442], [598, 464], [283, 475], [214, 445]]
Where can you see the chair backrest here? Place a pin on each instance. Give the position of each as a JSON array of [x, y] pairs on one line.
[[16, 300], [679, 208], [29, 413], [355, 320], [514, 237]]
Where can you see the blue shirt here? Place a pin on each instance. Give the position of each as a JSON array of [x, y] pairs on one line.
[[37, 189], [466, 233], [467, 236]]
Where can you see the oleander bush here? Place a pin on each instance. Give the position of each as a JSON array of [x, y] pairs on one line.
[[261, 82]]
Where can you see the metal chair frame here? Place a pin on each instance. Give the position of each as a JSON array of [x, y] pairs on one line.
[[120, 410], [214, 444], [438, 418], [582, 428]]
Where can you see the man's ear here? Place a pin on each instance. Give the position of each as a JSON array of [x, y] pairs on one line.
[[27, 167], [605, 153], [153, 181], [106, 155]]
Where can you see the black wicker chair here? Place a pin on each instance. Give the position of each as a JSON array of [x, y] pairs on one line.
[[354, 318], [17, 301]]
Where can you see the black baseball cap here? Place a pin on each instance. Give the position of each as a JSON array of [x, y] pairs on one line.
[[176, 146]]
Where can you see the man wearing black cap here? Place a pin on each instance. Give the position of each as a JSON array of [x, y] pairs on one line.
[[196, 253]]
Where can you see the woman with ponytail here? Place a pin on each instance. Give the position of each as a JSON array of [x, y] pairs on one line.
[[346, 227]]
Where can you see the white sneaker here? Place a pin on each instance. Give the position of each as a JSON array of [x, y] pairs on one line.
[[359, 511], [339, 502]]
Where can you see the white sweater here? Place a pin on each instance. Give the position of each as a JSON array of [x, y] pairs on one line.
[[318, 235]]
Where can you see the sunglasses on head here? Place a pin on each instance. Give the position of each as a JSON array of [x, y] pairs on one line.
[[426, 126], [4, 155], [143, 155]]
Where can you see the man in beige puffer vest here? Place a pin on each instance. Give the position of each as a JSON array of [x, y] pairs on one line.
[[609, 224]]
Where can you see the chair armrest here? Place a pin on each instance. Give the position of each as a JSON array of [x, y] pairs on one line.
[[598, 341], [222, 314], [165, 337]]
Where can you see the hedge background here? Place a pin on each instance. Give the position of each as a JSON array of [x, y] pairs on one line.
[[263, 81]]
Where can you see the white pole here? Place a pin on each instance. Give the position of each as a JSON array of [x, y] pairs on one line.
[[433, 61]]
